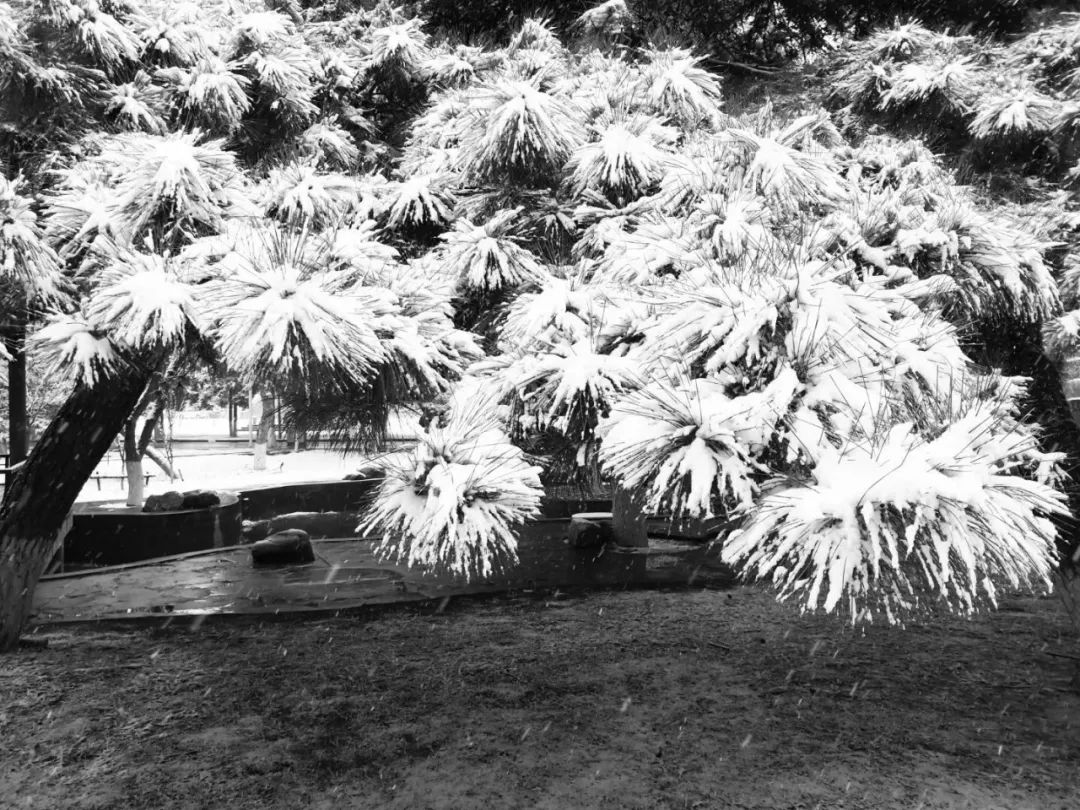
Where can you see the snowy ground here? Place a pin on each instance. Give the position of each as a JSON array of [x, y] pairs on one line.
[[230, 470], [228, 465]]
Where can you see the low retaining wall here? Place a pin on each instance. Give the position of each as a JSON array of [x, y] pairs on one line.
[[106, 535], [113, 536], [323, 496]]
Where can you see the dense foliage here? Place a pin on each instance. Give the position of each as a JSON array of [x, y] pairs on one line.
[[740, 29], [579, 253]]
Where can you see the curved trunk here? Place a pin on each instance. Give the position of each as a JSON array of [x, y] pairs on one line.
[[42, 492], [162, 462]]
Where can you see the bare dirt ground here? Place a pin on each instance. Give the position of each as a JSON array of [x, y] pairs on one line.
[[641, 699]]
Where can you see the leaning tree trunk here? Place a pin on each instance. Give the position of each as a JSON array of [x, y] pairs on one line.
[[41, 494]]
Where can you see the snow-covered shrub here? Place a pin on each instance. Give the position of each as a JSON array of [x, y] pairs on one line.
[[456, 501], [484, 257], [515, 131], [885, 529]]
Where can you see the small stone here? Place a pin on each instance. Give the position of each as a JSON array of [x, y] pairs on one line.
[[171, 501], [201, 499], [591, 529], [253, 530], [364, 473], [288, 546]]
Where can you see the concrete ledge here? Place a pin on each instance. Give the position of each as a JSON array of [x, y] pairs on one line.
[[264, 503], [112, 535]]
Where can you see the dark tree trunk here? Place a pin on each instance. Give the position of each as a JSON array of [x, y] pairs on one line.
[[18, 423], [41, 494], [232, 409]]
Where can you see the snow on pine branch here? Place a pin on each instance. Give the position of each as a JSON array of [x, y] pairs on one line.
[[484, 257], [75, 349], [457, 500], [624, 157], [567, 387], [515, 129], [25, 256], [679, 88], [143, 300], [291, 321], [689, 445], [881, 531]]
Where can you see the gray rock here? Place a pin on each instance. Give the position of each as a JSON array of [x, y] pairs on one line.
[[201, 499], [365, 473], [289, 546], [253, 530], [591, 529], [171, 501]]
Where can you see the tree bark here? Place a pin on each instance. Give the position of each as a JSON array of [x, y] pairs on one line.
[[264, 438], [232, 413], [41, 494], [136, 441], [132, 462], [18, 422], [162, 462]]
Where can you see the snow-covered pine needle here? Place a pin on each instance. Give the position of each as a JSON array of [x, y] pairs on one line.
[[955, 84], [299, 194], [561, 310], [102, 36], [422, 199], [901, 43], [176, 38], [996, 263], [568, 388], [80, 213], [399, 46], [329, 145], [457, 501], [258, 30], [692, 449], [786, 176], [535, 33], [135, 105], [209, 93], [1021, 114], [680, 90], [277, 311], [624, 157], [173, 179], [484, 257], [454, 68], [25, 257], [515, 131], [75, 349], [609, 18], [143, 301], [882, 531]]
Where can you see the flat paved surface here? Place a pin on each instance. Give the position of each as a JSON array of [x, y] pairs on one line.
[[346, 575]]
